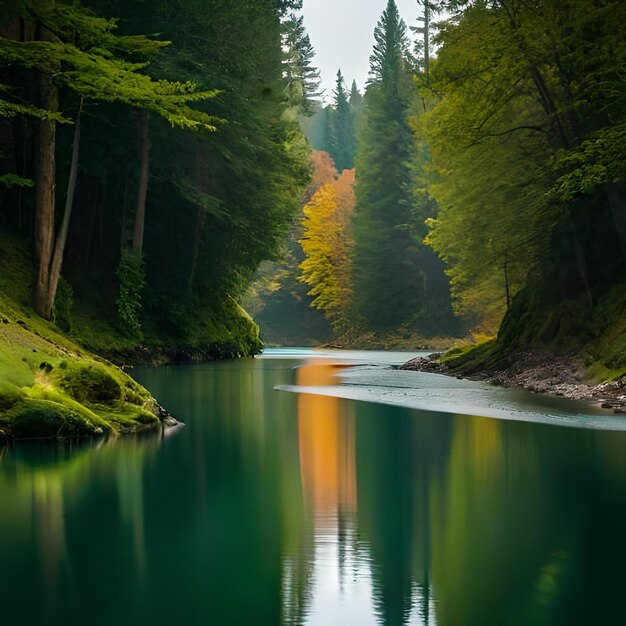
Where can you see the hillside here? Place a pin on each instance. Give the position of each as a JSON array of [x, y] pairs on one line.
[[50, 386]]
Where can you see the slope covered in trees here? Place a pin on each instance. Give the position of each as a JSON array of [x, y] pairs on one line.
[[527, 143], [150, 176], [199, 209]]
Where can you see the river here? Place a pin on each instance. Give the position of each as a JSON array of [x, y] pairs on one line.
[[302, 507]]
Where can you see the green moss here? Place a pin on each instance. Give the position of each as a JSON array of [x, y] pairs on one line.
[[9, 395], [88, 383], [49, 385], [597, 334], [30, 418], [472, 358]]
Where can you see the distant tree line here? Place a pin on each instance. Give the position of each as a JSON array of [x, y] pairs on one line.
[[490, 177]]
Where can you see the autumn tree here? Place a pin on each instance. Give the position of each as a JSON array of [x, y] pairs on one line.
[[327, 245]]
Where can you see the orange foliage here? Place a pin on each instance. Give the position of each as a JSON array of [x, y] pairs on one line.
[[324, 171], [327, 243]]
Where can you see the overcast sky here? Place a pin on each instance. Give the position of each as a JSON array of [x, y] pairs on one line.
[[342, 33]]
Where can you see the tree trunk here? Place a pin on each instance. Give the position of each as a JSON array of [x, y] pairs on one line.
[[140, 215], [44, 207], [59, 248]]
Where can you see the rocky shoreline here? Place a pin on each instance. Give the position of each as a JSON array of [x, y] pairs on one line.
[[541, 373]]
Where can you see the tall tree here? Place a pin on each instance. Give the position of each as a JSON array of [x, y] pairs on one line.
[[528, 144], [356, 109], [79, 51], [390, 274], [342, 128]]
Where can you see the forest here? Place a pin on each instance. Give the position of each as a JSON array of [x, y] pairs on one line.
[[169, 170], [490, 186]]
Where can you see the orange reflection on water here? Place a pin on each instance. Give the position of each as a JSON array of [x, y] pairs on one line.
[[327, 448]]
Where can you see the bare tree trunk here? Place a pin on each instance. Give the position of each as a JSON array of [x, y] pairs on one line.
[[46, 183], [144, 171], [59, 248]]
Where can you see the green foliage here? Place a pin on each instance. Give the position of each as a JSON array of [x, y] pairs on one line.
[[132, 280], [527, 139], [97, 75], [395, 277], [13, 180]]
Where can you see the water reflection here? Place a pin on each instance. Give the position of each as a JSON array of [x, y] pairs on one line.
[[273, 508]]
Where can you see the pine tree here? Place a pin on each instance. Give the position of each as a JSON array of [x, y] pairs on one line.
[[302, 78], [342, 128], [388, 281], [356, 109]]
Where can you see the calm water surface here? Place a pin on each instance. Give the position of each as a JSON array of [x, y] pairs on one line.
[[274, 508]]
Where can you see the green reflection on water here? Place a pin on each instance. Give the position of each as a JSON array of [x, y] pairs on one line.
[[271, 508]]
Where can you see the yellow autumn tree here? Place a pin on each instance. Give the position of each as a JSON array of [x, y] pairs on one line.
[[327, 244]]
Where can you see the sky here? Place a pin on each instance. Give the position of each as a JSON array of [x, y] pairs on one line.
[[342, 33]]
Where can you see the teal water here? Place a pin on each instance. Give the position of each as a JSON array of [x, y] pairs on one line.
[[273, 508]]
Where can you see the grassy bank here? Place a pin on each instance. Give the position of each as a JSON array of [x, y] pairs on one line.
[[594, 333], [53, 384], [50, 385]]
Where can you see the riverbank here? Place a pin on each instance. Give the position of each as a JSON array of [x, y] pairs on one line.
[[52, 387], [564, 376], [72, 383]]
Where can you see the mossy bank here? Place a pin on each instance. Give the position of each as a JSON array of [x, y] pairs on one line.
[[52, 383], [50, 387]]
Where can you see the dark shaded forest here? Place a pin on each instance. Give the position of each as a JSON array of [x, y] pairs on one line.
[[151, 173]]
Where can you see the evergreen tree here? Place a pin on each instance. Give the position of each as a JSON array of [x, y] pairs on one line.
[[302, 78], [391, 282], [356, 109], [342, 128]]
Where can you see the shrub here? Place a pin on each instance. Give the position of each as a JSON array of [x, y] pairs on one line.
[[131, 275]]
